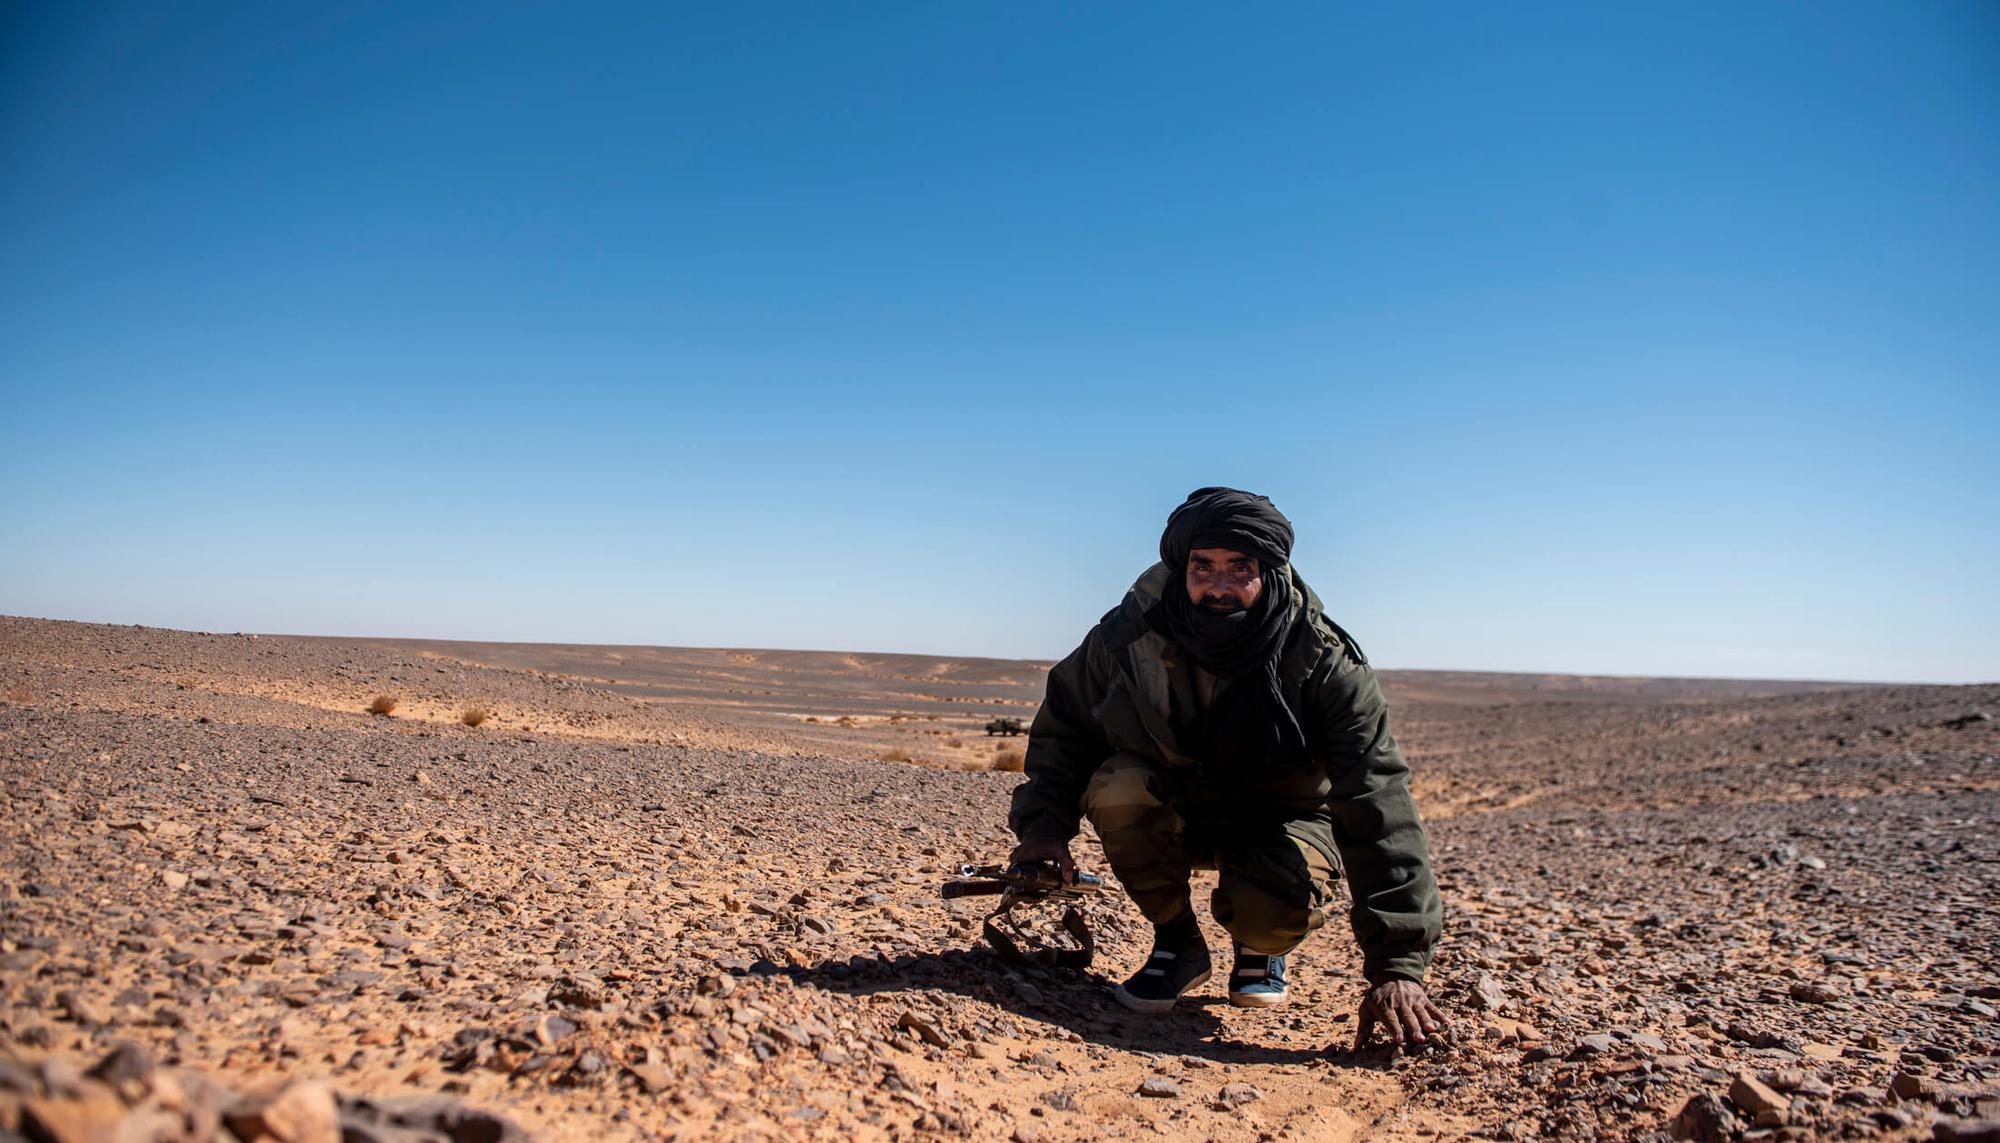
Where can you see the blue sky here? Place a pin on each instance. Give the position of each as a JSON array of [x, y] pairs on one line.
[[1577, 338]]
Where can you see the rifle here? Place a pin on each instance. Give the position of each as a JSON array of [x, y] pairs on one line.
[[1022, 883]]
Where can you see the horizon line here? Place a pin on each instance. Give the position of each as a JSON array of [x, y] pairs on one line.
[[1041, 663]]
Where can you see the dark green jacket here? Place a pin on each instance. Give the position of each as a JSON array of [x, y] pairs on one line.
[[1127, 688]]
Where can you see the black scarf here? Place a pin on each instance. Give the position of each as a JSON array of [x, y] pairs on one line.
[[1249, 728]]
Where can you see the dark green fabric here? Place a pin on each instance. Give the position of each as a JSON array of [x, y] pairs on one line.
[[1112, 694]]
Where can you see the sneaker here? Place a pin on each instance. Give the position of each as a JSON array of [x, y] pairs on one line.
[[1176, 966], [1257, 981]]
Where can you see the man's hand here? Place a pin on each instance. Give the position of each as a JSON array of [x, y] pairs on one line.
[[1046, 849], [1404, 1010]]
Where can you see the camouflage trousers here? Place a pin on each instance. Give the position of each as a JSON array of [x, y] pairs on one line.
[[1275, 878]]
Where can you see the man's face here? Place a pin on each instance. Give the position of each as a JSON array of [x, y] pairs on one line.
[[1223, 580]]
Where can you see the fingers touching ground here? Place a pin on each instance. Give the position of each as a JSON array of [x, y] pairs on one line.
[[1403, 1010], [1364, 1024]]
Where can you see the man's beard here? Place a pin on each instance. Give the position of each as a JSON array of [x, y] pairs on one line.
[[1225, 604]]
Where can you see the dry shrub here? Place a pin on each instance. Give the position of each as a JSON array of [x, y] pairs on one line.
[[474, 715], [954, 743], [20, 695], [812, 718], [895, 754], [1012, 761], [383, 705]]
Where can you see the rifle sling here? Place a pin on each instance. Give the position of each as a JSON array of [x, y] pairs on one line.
[[1010, 950]]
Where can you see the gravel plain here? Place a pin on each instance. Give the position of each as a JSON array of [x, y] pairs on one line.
[[611, 911]]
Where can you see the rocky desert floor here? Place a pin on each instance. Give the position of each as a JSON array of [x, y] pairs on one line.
[[664, 893]]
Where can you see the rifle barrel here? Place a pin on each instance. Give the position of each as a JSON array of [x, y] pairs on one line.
[[955, 889]]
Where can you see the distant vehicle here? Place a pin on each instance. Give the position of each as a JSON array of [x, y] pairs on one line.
[[1007, 726]]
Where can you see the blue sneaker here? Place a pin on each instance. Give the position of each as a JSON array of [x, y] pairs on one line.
[[1257, 981], [1176, 966]]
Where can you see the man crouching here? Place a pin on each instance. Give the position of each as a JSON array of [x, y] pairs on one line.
[[1217, 719]]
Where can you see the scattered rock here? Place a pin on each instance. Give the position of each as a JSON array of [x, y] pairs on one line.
[[1235, 1095], [1756, 1097], [86, 1120], [82, 1009], [653, 1078], [127, 1070], [1705, 1118], [1914, 1087], [1597, 1044], [299, 1111], [925, 1028]]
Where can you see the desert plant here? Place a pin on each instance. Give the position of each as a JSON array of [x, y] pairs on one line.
[[474, 715], [20, 695], [1012, 761], [383, 705], [895, 754]]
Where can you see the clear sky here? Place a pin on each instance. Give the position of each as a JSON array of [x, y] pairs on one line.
[[1656, 339]]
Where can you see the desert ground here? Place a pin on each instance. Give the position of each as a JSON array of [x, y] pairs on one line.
[[665, 893]]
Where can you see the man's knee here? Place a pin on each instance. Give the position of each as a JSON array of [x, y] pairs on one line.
[[1120, 797], [1270, 900], [1264, 922]]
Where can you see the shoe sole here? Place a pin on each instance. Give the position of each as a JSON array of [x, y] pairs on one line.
[[1141, 1004], [1257, 999]]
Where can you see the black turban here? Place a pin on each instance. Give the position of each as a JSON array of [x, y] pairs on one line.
[[1227, 518], [1250, 728]]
